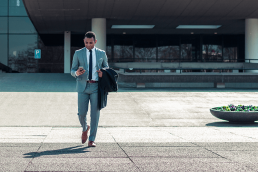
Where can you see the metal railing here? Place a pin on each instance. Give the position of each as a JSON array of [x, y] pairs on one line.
[[201, 70], [178, 60]]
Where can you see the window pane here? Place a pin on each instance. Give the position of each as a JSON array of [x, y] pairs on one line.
[[21, 25], [230, 54], [168, 51], [3, 49], [52, 58], [16, 8], [3, 7], [21, 53], [211, 52], [109, 53], [3, 25], [186, 52], [145, 50], [123, 50]]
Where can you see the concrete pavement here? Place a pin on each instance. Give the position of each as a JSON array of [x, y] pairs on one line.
[[130, 149], [140, 129]]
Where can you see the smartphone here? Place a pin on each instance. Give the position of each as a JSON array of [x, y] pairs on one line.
[[81, 68]]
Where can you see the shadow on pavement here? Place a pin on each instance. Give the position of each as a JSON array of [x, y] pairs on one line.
[[69, 150], [231, 124]]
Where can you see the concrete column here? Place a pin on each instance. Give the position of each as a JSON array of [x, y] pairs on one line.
[[98, 26], [67, 52], [251, 41]]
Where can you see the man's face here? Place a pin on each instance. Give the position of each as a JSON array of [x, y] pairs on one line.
[[89, 43]]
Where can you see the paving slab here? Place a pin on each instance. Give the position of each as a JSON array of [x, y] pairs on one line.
[[81, 164], [229, 146], [142, 134], [157, 144], [18, 152], [207, 134], [139, 130], [239, 156], [185, 164], [14, 164], [179, 152]]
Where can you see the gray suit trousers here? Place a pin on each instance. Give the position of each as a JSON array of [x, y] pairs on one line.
[[90, 94]]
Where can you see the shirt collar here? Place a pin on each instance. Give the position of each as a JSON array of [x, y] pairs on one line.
[[93, 49]]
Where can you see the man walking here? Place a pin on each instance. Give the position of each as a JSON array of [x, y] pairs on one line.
[[86, 66]]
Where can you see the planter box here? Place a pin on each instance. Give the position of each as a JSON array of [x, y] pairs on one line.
[[239, 117]]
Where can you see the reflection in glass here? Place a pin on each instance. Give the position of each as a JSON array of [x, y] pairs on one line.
[[16, 8], [186, 52], [3, 25], [145, 50], [21, 25], [52, 58], [230, 54], [123, 53], [21, 53], [3, 49], [123, 50], [3, 7], [211, 52], [168, 53], [168, 49], [109, 52]]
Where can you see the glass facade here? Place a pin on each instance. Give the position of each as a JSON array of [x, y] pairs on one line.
[[21, 25], [4, 8], [21, 53], [145, 49], [16, 8], [3, 49], [212, 53], [168, 50], [175, 48], [3, 26], [123, 50]]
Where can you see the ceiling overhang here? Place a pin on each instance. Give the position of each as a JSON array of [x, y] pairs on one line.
[[57, 16]]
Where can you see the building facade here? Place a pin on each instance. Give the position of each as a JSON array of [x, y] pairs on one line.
[[57, 28]]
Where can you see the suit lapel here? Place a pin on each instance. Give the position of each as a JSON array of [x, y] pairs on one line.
[[97, 58], [84, 57]]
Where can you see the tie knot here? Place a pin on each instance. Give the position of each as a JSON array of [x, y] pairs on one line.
[[90, 50]]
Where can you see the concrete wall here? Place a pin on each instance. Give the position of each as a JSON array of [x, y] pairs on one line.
[[189, 80], [185, 65]]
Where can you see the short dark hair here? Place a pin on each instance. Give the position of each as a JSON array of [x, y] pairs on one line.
[[90, 34]]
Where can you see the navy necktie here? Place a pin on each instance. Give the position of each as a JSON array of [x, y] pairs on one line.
[[90, 66]]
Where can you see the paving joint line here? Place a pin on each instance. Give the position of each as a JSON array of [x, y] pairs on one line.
[[37, 150], [237, 134], [201, 147], [124, 152]]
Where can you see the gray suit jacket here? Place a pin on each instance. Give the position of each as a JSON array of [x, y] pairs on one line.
[[80, 59]]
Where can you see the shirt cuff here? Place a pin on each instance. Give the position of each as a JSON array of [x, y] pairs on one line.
[[76, 74]]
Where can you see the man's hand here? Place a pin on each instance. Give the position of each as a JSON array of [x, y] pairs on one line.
[[80, 71], [100, 73]]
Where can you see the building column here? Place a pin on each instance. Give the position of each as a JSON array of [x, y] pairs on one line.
[[98, 26], [251, 42], [67, 52]]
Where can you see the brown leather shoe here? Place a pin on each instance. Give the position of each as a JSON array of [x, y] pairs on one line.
[[92, 144], [85, 135]]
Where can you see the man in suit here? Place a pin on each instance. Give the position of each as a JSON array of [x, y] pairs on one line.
[[86, 66]]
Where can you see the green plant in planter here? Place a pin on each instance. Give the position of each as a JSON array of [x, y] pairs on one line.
[[238, 108]]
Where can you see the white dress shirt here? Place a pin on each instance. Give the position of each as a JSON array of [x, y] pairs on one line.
[[95, 75]]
